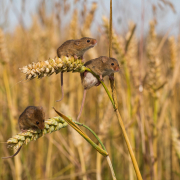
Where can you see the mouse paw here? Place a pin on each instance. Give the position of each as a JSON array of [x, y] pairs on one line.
[[82, 58], [97, 84], [23, 130], [85, 72], [101, 78], [111, 77]]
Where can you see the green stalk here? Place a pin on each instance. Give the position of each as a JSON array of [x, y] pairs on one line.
[[107, 157], [112, 83], [74, 126], [120, 122], [80, 124], [106, 89]]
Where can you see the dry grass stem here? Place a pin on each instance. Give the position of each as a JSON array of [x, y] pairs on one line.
[[176, 141], [4, 55]]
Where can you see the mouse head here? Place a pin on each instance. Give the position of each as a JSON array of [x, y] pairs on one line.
[[36, 115], [114, 65], [85, 43], [111, 64], [39, 117]]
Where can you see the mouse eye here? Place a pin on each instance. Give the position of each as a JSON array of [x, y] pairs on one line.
[[112, 64], [37, 122], [88, 40], [43, 120]]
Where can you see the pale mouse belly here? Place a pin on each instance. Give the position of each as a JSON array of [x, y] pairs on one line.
[[89, 81]]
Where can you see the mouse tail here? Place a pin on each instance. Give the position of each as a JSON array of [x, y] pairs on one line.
[[13, 154], [62, 90], [82, 105]]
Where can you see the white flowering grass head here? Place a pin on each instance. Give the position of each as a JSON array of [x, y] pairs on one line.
[[51, 66]]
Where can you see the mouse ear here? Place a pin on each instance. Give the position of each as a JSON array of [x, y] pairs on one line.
[[40, 107], [30, 113], [104, 59], [77, 43]]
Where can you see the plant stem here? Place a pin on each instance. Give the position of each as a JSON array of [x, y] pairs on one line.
[[113, 99], [112, 83], [74, 126], [80, 124], [120, 122], [11, 106], [106, 89], [111, 167], [103, 152], [107, 157], [155, 140]]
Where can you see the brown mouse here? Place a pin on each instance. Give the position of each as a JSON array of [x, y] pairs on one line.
[[102, 66], [32, 118], [75, 48]]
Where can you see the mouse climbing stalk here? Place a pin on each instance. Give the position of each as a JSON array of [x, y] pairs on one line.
[[102, 66], [75, 48]]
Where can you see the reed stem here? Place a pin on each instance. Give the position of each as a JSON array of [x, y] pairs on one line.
[[112, 84]]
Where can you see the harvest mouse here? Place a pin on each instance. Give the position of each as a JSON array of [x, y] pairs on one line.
[[31, 118], [102, 66], [75, 48]]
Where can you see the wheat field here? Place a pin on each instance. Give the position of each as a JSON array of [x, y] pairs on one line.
[[147, 89]]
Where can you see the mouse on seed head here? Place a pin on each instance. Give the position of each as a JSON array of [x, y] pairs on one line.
[[33, 117], [102, 66], [76, 47]]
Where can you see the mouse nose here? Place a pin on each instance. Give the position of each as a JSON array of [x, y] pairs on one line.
[[117, 68], [41, 126], [94, 41]]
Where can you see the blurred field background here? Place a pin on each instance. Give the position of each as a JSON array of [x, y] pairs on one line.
[[148, 88]]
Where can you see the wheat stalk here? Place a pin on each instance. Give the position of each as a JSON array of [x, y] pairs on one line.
[[173, 51], [89, 19], [4, 57], [176, 142], [117, 42], [154, 70], [73, 33], [131, 54]]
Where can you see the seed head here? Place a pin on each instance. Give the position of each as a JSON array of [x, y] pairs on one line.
[[51, 66]]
